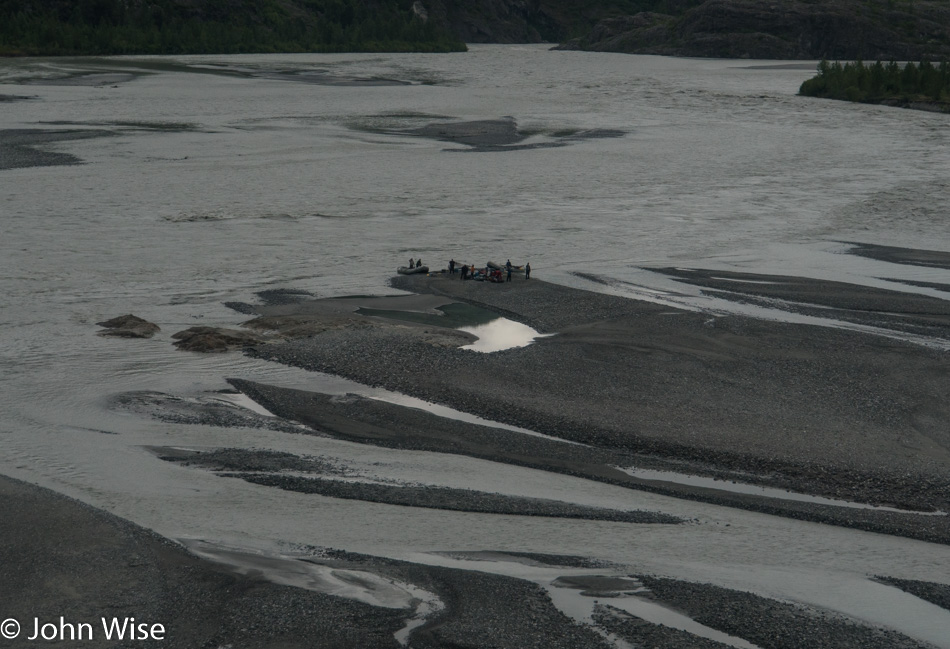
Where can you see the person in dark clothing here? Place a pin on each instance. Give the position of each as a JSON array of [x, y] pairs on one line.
[[412, 264], [508, 278], [451, 266], [464, 274], [508, 265], [527, 271], [419, 263]]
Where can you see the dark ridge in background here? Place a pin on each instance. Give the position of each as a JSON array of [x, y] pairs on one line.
[[792, 29]]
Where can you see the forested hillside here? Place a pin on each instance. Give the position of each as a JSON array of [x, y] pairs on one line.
[[767, 29], [534, 21], [784, 29], [923, 85], [55, 27]]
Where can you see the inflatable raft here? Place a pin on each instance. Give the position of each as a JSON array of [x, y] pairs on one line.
[[405, 270], [496, 266]]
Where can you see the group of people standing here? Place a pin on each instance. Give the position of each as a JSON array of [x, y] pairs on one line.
[[415, 264], [489, 273]]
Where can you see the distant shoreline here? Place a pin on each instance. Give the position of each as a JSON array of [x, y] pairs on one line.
[[928, 106], [942, 108]]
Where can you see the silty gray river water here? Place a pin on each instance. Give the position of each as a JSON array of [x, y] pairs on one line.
[[198, 180]]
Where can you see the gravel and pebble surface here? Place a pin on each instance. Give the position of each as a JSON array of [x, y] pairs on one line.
[[485, 611], [837, 295], [896, 255], [387, 425], [462, 500], [19, 147], [566, 560], [499, 612], [203, 410], [270, 468], [62, 558], [770, 623], [810, 409], [492, 135], [886, 309], [628, 374], [934, 593], [641, 633], [910, 282], [818, 410], [255, 460]]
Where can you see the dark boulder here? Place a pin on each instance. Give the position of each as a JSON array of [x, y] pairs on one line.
[[128, 326], [214, 339]]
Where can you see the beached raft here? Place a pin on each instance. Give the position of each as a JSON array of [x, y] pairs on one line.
[[405, 270], [496, 266]]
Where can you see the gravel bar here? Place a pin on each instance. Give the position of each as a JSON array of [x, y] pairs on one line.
[[938, 594], [63, 558], [462, 500], [770, 623], [810, 409]]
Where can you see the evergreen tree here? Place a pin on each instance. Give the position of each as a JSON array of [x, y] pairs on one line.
[[878, 83]]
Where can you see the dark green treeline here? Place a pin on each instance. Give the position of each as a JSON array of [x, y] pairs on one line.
[[73, 27], [881, 82]]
